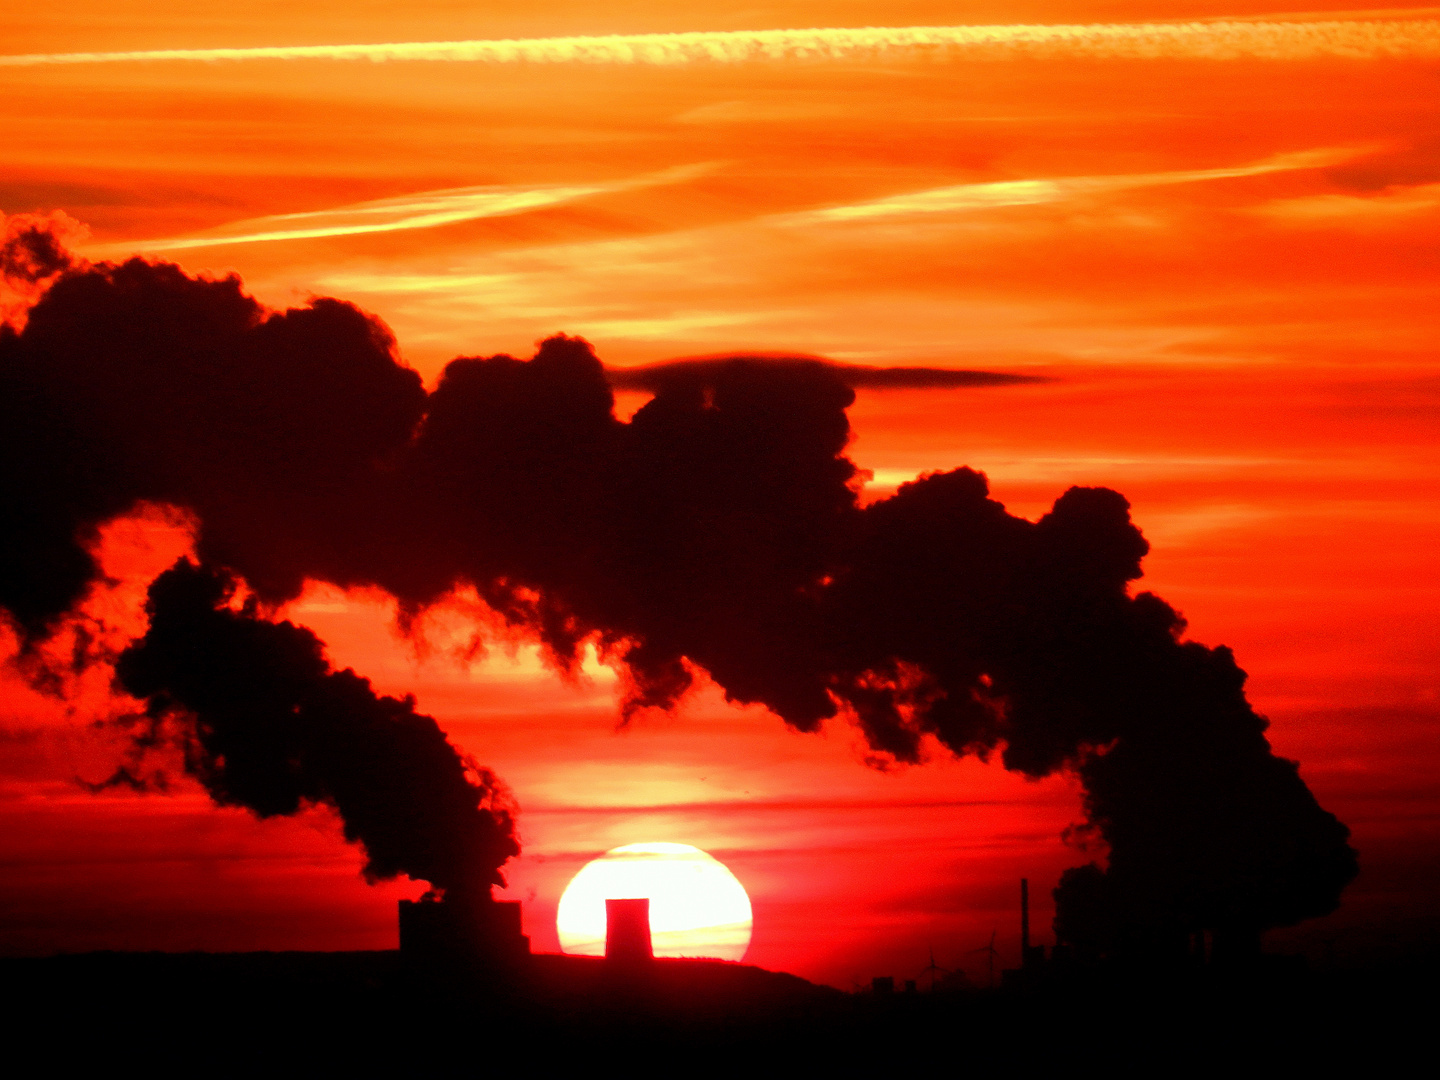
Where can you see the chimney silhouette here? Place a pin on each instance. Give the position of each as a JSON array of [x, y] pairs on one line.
[[1024, 917], [627, 931], [1032, 958]]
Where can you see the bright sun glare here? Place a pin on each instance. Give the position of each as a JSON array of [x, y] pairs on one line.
[[697, 907]]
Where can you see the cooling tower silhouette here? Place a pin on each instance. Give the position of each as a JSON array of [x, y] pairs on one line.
[[627, 931]]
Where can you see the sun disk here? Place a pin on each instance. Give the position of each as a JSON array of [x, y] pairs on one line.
[[697, 906]]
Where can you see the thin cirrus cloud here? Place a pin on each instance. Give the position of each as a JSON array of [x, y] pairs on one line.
[[1002, 193], [672, 258], [421, 210], [1386, 209], [1041, 468], [431, 209], [617, 288], [1301, 39]]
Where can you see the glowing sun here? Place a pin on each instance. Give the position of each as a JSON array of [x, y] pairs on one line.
[[697, 907]]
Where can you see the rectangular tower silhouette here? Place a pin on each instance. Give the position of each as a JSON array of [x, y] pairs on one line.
[[627, 931], [461, 929]]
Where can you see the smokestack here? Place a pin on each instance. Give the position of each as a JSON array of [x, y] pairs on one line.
[[1025, 918], [627, 931], [1032, 957]]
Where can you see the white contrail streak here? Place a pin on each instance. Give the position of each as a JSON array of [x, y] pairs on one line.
[[1000, 193], [1355, 39], [385, 215], [421, 210]]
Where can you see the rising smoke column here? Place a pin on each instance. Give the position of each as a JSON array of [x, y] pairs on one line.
[[33, 253], [267, 724], [719, 528], [697, 532], [957, 620], [134, 385]]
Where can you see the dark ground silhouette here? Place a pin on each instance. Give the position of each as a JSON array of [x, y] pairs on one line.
[[287, 1012]]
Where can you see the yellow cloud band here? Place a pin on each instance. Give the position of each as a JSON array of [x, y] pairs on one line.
[[1301, 40]]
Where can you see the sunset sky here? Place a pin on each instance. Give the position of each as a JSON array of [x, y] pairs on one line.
[[1212, 242]]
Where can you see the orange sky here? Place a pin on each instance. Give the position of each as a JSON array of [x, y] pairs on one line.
[[1225, 267]]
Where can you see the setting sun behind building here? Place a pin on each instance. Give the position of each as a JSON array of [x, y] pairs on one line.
[[697, 907]]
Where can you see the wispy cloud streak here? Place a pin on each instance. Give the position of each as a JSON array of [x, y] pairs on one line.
[[1001, 193], [421, 210], [1278, 40]]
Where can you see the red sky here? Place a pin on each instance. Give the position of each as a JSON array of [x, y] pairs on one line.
[[1225, 266]]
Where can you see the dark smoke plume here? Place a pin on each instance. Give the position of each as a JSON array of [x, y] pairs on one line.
[[958, 620], [134, 384], [719, 528], [266, 724], [33, 253]]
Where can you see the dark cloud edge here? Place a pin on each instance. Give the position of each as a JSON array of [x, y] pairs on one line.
[[856, 376]]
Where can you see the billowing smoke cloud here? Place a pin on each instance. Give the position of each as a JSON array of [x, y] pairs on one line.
[[33, 253], [266, 724], [719, 528], [956, 619], [135, 383]]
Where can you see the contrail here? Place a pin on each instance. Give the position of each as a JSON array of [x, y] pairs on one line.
[[1229, 40], [420, 210], [384, 215], [989, 196]]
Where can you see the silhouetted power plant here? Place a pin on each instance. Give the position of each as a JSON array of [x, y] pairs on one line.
[[627, 931], [460, 932], [462, 928], [1032, 957]]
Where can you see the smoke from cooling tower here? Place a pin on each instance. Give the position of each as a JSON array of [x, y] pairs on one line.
[[719, 528]]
